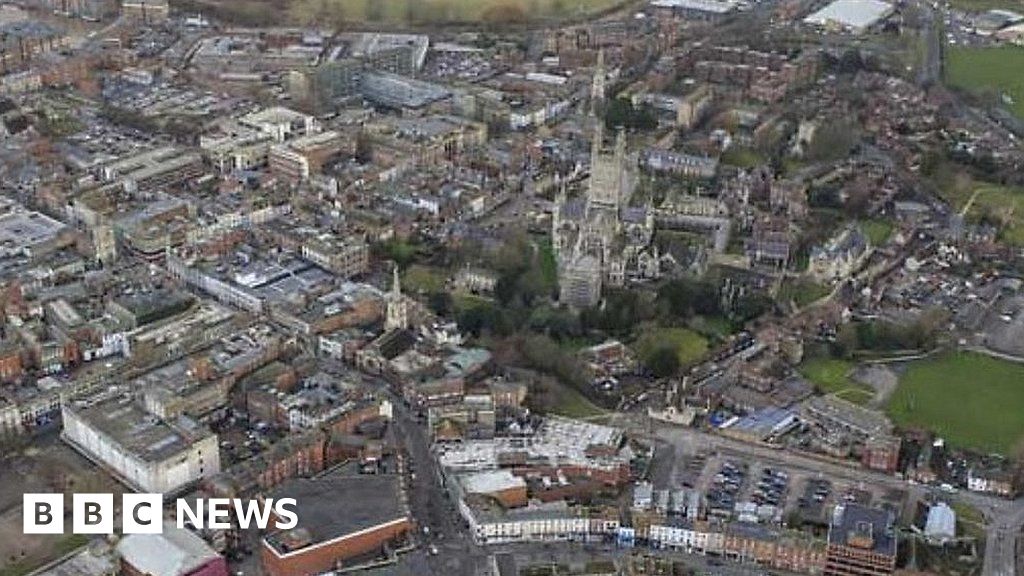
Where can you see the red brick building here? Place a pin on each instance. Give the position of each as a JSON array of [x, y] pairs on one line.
[[344, 520]]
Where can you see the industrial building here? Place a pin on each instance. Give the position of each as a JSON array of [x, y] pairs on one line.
[[343, 519], [853, 15], [174, 552], [146, 453]]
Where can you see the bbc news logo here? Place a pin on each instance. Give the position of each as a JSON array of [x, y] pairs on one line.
[[143, 513]]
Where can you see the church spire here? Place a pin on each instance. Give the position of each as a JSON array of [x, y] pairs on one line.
[[397, 313], [597, 86]]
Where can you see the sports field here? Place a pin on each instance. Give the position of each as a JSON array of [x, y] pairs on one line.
[[969, 399], [995, 70]]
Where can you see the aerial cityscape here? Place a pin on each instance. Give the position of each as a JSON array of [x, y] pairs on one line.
[[512, 287]]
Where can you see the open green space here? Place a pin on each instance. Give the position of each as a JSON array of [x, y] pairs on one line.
[[742, 157], [554, 397], [877, 231], [28, 564], [999, 205], [971, 400], [803, 291], [970, 521], [831, 376], [419, 278], [992, 70], [689, 345]]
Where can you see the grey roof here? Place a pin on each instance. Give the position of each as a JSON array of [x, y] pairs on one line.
[[853, 522], [175, 552], [856, 14], [941, 522], [340, 503], [139, 433]]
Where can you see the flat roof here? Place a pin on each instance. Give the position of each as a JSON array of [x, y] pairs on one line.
[[175, 551], [862, 527], [855, 14], [339, 504], [24, 229], [139, 432], [491, 482]]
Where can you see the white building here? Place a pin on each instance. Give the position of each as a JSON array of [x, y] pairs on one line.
[[555, 521], [940, 527], [853, 15], [281, 123], [146, 453]]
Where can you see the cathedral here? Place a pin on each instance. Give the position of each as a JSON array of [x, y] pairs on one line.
[[600, 239]]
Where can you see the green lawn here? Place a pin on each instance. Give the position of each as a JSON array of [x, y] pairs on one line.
[[831, 376], [1001, 204], [548, 263], [971, 400], [555, 397], [803, 291], [742, 158], [878, 231], [419, 278], [999, 70], [27, 565], [690, 345], [969, 520]]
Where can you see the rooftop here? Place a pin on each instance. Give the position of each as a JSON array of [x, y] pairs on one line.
[[138, 432], [338, 504], [855, 14], [865, 528], [175, 552]]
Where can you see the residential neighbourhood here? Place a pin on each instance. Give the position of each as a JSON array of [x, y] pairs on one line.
[[516, 287]]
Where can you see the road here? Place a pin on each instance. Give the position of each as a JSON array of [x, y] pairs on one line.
[[931, 68], [432, 508]]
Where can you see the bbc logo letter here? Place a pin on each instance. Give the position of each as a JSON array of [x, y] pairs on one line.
[[43, 514], [92, 514]]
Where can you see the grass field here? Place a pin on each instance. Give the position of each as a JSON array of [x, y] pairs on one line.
[[803, 291], [971, 400], [989, 69], [419, 278], [57, 548], [878, 231], [1000, 203], [831, 376], [690, 345], [555, 397], [742, 158]]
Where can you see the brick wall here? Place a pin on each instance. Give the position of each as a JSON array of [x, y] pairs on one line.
[[317, 559]]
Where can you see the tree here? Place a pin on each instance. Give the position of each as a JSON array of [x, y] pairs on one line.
[[364, 148], [620, 113], [663, 361], [440, 303]]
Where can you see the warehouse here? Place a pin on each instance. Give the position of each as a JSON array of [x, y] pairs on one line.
[[852, 15], [345, 519], [146, 453]]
